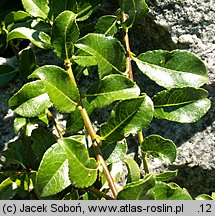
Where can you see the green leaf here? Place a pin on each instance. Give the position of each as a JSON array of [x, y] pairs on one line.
[[171, 191], [65, 32], [38, 38], [19, 122], [31, 100], [173, 69], [107, 25], [137, 190], [14, 153], [3, 43], [184, 105], [84, 59], [7, 73], [110, 61], [128, 116], [166, 176], [204, 197], [132, 9], [27, 63], [75, 120], [8, 189], [6, 8], [16, 16], [82, 169], [133, 170], [114, 152], [42, 139], [37, 8], [111, 88], [53, 173], [62, 92], [159, 147], [83, 8]]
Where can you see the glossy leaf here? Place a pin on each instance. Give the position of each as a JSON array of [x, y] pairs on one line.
[[53, 172], [19, 122], [84, 59], [205, 197], [137, 190], [83, 8], [37, 8], [111, 88], [173, 69], [185, 105], [27, 63], [171, 191], [65, 32], [38, 38], [114, 152], [107, 25], [133, 170], [128, 116], [62, 92], [7, 73], [132, 9], [31, 100], [82, 169], [166, 176], [159, 147], [75, 120], [110, 61], [16, 16], [8, 189]]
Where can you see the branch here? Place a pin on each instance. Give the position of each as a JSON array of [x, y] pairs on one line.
[[94, 137]]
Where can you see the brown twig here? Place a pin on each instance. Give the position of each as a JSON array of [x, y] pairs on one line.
[[94, 137]]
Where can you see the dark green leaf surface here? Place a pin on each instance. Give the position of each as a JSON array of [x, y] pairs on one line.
[[137, 190], [37, 8], [53, 173], [128, 116], [166, 176], [75, 120], [42, 140], [31, 100], [27, 63], [8, 189], [82, 169], [111, 88], [159, 147], [38, 38], [114, 152], [14, 153], [132, 9], [107, 25], [65, 32], [83, 8], [171, 191], [108, 51], [133, 170], [3, 43], [62, 92], [185, 105], [173, 69], [16, 16], [7, 73]]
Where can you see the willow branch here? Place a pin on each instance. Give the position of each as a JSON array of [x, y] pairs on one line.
[[94, 137], [130, 72]]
